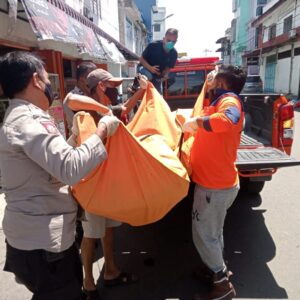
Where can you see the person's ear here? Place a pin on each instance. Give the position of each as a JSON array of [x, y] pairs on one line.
[[36, 80], [101, 86], [222, 84], [82, 79]]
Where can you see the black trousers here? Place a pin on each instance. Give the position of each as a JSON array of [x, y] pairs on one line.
[[46, 274]]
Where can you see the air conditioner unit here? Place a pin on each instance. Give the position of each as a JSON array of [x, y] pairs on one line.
[[292, 33]]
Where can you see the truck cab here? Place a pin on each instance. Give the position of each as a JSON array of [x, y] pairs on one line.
[[186, 80]]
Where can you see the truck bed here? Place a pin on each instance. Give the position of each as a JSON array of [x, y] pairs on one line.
[[256, 151], [254, 155], [249, 142]]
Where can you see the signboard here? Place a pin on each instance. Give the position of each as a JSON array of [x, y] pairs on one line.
[[51, 23]]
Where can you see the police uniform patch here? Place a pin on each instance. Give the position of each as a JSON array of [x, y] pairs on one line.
[[50, 127]]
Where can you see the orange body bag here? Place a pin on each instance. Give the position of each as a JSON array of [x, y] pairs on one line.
[[142, 179]]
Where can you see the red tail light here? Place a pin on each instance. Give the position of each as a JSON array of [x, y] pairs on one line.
[[286, 125]]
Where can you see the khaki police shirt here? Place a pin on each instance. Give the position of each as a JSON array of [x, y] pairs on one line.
[[37, 165]]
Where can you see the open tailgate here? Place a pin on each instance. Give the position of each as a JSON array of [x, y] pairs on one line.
[[263, 158]]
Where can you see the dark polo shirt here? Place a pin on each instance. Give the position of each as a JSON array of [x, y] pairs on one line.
[[156, 55]]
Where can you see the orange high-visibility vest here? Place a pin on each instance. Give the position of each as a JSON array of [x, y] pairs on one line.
[[188, 139]]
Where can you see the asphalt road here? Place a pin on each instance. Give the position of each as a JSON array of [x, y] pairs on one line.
[[262, 246]]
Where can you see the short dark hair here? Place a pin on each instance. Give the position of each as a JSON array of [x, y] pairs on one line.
[[16, 70], [84, 68], [172, 31], [234, 76]]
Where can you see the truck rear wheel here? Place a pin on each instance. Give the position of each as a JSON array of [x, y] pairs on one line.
[[251, 187]]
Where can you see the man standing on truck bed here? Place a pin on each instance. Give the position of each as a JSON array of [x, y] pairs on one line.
[[158, 58], [218, 132]]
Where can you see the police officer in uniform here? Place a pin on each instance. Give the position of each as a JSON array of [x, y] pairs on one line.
[[37, 165]]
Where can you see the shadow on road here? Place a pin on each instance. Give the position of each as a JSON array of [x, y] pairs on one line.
[[163, 255], [249, 247]]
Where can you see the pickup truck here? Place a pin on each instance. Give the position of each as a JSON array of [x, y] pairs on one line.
[[267, 138], [266, 141]]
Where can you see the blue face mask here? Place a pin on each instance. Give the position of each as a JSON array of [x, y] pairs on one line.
[[169, 46]]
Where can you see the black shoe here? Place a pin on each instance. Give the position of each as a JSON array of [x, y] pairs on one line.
[[221, 289], [91, 295], [204, 274]]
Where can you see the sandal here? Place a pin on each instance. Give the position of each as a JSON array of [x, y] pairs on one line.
[[123, 278], [91, 295]]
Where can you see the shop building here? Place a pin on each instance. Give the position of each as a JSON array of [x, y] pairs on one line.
[[63, 36]]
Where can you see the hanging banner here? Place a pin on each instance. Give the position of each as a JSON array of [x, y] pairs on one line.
[[51, 23], [112, 53]]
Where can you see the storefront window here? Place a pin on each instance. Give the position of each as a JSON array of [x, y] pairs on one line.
[[67, 68], [69, 75]]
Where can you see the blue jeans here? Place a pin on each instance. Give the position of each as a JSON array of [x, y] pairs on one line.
[[151, 77]]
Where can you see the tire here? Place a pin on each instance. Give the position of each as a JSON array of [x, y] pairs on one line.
[[251, 187]]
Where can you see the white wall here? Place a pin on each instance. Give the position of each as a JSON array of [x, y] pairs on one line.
[[110, 18], [158, 18], [282, 78], [296, 76], [282, 75], [269, 5], [277, 17], [283, 68], [22, 34], [76, 4], [115, 70], [129, 33]]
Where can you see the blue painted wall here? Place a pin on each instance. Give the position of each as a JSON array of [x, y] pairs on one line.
[[145, 8]]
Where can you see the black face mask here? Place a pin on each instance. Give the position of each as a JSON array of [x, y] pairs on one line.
[[113, 95], [49, 93], [210, 94]]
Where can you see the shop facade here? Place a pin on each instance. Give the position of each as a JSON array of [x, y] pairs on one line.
[[62, 37]]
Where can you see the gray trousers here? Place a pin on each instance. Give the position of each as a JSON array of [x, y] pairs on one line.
[[208, 216]]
